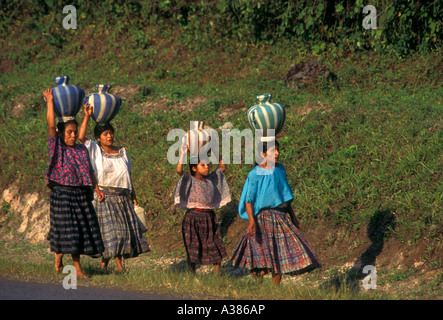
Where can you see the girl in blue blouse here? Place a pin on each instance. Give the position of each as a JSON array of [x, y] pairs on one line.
[[272, 241]]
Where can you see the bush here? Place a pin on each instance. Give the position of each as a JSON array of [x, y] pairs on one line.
[[403, 26]]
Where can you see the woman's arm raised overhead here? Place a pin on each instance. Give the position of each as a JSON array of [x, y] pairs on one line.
[[183, 152], [84, 126], [50, 115]]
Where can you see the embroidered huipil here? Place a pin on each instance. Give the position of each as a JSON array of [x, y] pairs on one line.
[[111, 170], [212, 193], [68, 166]]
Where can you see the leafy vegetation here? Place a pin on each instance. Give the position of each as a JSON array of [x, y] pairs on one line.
[[402, 26]]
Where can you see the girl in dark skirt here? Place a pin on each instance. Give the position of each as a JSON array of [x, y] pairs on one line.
[[200, 193], [74, 227], [272, 241]]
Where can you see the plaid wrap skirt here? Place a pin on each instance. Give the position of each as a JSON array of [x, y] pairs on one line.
[[202, 238], [73, 226], [277, 246], [119, 226]]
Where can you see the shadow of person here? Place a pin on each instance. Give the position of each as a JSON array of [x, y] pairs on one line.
[[180, 266], [379, 227]]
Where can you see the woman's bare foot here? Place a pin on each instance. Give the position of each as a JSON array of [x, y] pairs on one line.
[[276, 279], [80, 274], [216, 269], [258, 274], [59, 262], [78, 268], [119, 265], [104, 264]]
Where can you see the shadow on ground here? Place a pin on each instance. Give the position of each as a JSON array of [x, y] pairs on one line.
[[379, 228]]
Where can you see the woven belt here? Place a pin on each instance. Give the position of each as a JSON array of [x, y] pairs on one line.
[[202, 210], [113, 192]]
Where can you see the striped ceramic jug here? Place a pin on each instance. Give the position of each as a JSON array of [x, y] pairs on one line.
[[67, 99], [105, 105], [266, 115]]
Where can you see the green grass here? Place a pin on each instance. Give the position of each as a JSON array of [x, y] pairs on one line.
[[377, 146], [166, 274], [145, 274]]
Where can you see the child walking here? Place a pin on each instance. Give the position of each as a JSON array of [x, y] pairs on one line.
[[200, 193], [272, 241]]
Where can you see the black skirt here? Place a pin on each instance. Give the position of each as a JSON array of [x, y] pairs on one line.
[[74, 227]]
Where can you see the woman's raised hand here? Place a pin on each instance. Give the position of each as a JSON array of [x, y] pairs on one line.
[[100, 195], [84, 126], [184, 148], [88, 109], [50, 117], [48, 95]]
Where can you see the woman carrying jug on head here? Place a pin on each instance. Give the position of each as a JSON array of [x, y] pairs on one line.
[[74, 227], [121, 231]]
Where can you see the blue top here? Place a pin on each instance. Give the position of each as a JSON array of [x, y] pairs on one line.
[[265, 188]]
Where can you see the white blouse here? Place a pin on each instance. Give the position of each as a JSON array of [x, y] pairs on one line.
[[110, 170]]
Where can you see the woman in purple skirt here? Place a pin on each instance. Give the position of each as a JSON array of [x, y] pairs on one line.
[[272, 241]]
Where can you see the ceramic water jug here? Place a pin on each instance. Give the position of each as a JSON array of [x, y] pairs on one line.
[[105, 105], [197, 137], [141, 217], [68, 99], [266, 115]]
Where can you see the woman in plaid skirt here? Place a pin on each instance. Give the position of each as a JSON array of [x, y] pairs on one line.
[[272, 241], [74, 227], [120, 228], [200, 193]]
